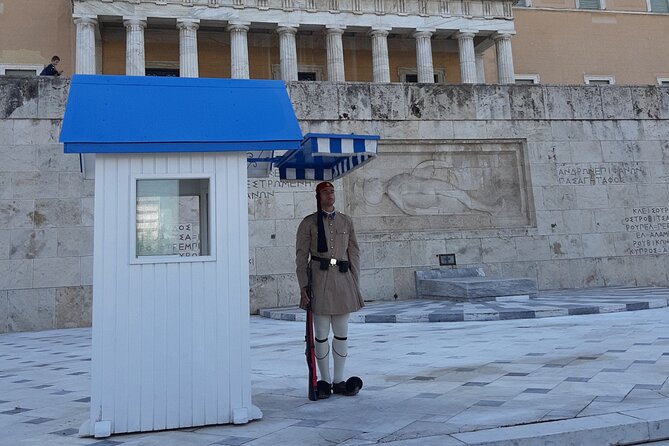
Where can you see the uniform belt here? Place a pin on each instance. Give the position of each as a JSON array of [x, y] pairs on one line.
[[331, 262]]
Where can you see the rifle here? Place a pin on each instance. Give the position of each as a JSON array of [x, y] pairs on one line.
[[311, 350]]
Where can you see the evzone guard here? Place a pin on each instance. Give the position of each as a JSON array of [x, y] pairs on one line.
[[328, 273]]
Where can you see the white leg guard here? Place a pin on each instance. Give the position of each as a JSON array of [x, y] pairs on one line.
[[339, 345], [321, 346]]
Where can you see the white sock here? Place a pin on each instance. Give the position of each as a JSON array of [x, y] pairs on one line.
[[339, 345], [322, 349]]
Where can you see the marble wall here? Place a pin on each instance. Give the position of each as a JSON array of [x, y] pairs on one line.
[[46, 213], [567, 185]]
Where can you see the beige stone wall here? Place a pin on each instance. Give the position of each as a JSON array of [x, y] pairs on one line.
[[34, 31], [46, 213], [590, 43], [621, 45]]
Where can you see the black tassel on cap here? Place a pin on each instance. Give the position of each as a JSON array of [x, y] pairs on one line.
[[322, 242]]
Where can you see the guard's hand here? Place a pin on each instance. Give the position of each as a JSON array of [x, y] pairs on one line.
[[304, 299]]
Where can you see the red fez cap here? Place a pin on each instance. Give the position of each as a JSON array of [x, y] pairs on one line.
[[322, 186]]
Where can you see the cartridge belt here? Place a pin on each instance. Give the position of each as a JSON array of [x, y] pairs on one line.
[[325, 263]]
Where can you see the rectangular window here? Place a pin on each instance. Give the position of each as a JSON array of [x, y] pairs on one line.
[[527, 79], [658, 6], [589, 4], [410, 75], [663, 81], [304, 72], [162, 72], [172, 218], [20, 70], [306, 75], [599, 80]]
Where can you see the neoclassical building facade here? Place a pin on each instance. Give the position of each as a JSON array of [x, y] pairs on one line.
[[379, 41]]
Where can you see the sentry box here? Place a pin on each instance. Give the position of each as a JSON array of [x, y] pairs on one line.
[[171, 281]]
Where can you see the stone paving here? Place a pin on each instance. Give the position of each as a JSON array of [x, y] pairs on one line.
[[546, 304], [594, 379]]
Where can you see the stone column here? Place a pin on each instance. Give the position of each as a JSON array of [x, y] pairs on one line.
[[134, 47], [188, 65], [288, 52], [505, 73], [85, 45], [467, 57], [335, 53], [424, 56], [380, 62], [239, 50], [480, 68]]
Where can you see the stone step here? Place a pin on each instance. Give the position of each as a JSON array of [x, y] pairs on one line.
[[463, 289]]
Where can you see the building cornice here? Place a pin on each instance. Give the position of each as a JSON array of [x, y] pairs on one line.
[[276, 12]]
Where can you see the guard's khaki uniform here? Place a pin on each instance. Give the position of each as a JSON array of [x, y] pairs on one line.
[[333, 292]]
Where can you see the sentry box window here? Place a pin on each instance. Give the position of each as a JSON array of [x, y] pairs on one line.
[[172, 219]]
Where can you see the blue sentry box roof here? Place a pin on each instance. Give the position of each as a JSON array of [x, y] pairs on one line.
[[136, 114]]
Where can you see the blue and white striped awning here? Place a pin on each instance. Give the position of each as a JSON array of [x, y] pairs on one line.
[[326, 157]]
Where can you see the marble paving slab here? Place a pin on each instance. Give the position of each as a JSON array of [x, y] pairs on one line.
[[546, 304], [587, 380]]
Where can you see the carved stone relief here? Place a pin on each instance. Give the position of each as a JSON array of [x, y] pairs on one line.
[[442, 185]]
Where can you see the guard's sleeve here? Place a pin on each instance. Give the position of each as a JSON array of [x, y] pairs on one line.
[[302, 242], [354, 252]]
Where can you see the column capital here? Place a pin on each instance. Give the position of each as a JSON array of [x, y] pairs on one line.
[[423, 32], [289, 28], [503, 35], [188, 23], [380, 31], [134, 21], [465, 34], [238, 26], [85, 20], [335, 29]]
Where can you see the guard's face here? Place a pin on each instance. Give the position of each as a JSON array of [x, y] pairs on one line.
[[327, 197]]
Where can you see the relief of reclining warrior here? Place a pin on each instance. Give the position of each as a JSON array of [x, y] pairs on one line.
[[415, 195]]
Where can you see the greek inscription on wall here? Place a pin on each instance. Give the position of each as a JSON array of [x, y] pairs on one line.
[[266, 187], [649, 226], [591, 174]]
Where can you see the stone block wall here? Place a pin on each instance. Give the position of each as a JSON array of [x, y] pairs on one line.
[[567, 185], [46, 213]]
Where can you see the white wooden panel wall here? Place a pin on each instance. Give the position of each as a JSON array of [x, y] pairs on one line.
[[170, 340]]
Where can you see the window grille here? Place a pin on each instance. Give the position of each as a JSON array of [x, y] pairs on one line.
[[589, 4], [659, 6], [599, 80]]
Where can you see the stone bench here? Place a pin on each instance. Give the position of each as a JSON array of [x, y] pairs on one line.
[[469, 284]]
